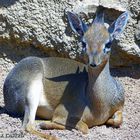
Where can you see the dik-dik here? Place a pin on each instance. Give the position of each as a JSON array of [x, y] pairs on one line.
[[65, 93]]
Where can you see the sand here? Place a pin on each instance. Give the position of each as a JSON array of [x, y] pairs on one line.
[[129, 130]]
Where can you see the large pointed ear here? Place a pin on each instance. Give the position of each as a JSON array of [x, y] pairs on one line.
[[76, 24], [99, 19], [118, 26]]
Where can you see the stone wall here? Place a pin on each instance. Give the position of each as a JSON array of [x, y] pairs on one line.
[[42, 24]]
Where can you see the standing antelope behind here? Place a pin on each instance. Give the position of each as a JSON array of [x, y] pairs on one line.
[[66, 92]]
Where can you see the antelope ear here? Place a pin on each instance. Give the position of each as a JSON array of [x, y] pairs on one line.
[[76, 24], [118, 26]]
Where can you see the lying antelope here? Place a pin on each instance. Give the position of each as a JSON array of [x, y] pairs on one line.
[[68, 93]]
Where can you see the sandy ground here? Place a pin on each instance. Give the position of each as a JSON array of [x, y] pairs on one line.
[[130, 129]]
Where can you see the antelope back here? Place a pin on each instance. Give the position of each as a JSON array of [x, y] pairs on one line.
[[97, 38]]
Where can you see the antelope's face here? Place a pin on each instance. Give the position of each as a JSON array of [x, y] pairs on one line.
[[97, 38], [97, 44]]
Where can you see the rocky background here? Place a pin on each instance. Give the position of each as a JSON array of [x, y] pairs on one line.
[[40, 28], [43, 24]]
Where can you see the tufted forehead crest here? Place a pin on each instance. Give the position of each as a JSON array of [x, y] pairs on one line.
[[97, 34]]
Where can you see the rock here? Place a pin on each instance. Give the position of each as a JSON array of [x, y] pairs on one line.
[[126, 50], [137, 32], [43, 24], [112, 4]]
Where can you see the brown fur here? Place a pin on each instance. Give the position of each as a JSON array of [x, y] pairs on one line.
[[68, 93]]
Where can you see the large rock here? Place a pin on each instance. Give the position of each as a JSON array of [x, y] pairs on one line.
[[127, 49], [137, 33], [43, 24]]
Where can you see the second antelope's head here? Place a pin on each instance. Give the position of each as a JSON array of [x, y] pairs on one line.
[[97, 38]]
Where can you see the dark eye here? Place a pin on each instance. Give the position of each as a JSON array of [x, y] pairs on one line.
[[108, 45], [107, 48], [84, 46]]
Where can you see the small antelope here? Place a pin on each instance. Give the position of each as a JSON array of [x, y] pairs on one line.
[[65, 93]]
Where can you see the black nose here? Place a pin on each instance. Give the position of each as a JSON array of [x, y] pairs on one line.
[[93, 65]]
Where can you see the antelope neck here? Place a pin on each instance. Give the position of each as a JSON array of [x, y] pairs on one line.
[[95, 72]]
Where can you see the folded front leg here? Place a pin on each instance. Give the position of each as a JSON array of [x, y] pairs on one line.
[[51, 125], [116, 119]]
